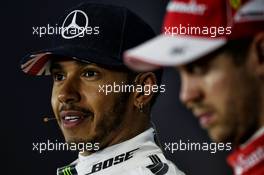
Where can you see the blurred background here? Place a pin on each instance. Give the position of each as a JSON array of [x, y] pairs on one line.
[[26, 99]]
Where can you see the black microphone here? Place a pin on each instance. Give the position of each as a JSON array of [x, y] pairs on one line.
[[47, 119]]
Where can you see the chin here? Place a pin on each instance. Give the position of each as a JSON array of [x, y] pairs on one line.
[[70, 140], [73, 139], [220, 135]]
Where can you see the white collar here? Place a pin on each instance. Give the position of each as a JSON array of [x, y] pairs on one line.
[[135, 142]]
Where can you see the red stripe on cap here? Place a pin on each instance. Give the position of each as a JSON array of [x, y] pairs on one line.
[[34, 70], [189, 14]]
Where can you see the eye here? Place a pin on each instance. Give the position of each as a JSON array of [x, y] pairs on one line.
[[90, 74], [198, 69], [58, 77]]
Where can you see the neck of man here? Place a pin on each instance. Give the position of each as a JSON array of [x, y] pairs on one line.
[[255, 127], [261, 119], [134, 124]]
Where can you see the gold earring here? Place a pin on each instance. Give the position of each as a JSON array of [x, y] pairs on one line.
[[141, 105]]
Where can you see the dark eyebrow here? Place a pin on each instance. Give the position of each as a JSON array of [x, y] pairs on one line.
[[55, 65], [200, 62], [84, 63], [205, 60], [58, 66]]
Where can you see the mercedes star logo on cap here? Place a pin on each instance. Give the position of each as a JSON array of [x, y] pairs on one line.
[[73, 30]]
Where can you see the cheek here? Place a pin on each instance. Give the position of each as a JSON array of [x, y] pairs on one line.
[[105, 103], [54, 101], [103, 109], [217, 87], [222, 88], [99, 102]]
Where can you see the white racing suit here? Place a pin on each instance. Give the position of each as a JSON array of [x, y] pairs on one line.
[[137, 156]]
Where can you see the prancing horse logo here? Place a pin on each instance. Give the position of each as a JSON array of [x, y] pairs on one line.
[[79, 30]]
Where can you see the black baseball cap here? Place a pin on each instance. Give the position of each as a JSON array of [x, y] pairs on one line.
[[92, 33]]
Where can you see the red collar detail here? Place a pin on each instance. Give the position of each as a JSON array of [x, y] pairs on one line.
[[248, 160]]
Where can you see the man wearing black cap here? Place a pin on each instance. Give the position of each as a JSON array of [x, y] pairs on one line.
[[86, 56], [222, 71]]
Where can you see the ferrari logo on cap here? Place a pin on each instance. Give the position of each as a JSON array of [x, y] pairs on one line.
[[235, 4]]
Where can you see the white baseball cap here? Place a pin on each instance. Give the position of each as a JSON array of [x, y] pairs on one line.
[[194, 28]]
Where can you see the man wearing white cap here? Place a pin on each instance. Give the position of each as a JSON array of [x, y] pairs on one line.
[[218, 49]]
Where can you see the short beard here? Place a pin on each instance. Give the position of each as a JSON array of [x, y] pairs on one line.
[[105, 128], [247, 112]]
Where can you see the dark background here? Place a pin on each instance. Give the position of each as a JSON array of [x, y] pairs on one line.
[[25, 99]]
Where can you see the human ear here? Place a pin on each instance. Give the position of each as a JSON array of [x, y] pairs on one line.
[[146, 81], [258, 46]]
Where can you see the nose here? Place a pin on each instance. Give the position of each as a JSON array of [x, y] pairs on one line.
[[190, 91], [69, 92]]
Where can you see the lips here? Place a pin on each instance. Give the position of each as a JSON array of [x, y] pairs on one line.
[[205, 119], [73, 118]]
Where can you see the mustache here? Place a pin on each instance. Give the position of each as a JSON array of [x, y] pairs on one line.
[[71, 107], [199, 106]]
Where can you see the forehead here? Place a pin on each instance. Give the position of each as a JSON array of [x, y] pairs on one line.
[[69, 64], [65, 62], [199, 62], [206, 60]]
